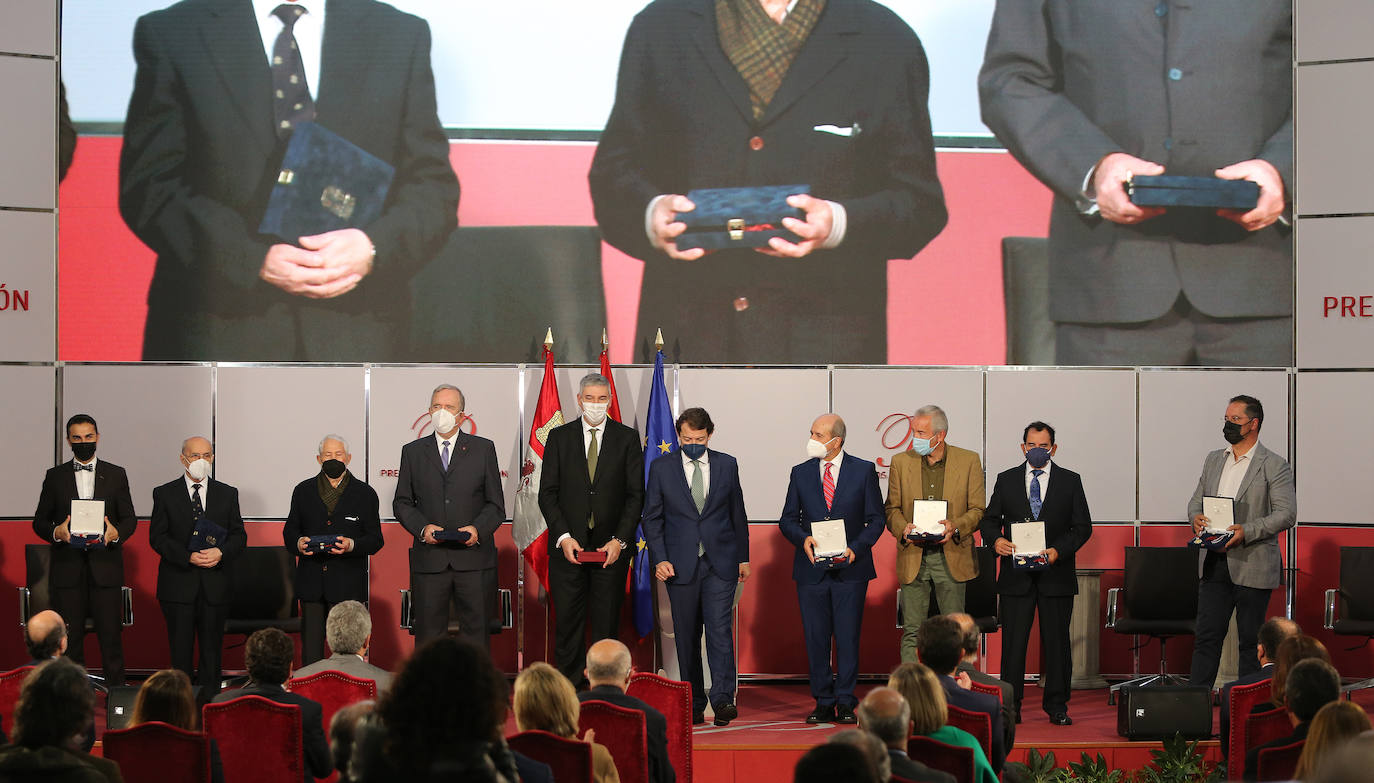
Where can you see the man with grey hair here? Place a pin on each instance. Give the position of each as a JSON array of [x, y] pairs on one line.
[[333, 526], [449, 497], [872, 747], [349, 631], [608, 673], [886, 716], [932, 469], [591, 493]]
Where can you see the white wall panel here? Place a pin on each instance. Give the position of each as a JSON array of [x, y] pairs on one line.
[[1335, 303], [1333, 164], [28, 134], [28, 306], [1333, 29], [27, 432], [1334, 461], [29, 27]]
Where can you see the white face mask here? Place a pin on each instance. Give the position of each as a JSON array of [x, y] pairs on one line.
[[198, 469], [595, 411], [817, 450], [443, 420]]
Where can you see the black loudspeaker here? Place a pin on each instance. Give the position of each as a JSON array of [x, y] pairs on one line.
[[119, 706], [1158, 712]]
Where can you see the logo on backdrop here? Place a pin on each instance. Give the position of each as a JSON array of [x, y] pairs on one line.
[[894, 434]]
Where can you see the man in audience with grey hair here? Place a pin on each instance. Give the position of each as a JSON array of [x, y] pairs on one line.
[[333, 526], [878, 760], [608, 672], [349, 631], [886, 715]]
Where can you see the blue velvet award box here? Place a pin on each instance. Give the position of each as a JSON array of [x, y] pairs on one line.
[[1206, 192], [738, 217], [326, 183]]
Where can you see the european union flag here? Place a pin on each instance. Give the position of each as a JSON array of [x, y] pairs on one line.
[[660, 438]]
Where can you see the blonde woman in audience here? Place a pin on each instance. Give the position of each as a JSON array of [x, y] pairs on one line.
[[167, 697], [545, 700], [930, 714], [1333, 726]]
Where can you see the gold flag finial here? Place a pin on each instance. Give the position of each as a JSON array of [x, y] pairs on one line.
[[548, 339], [605, 342], [658, 340]]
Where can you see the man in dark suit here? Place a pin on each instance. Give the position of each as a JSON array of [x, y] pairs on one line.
[[85, 575], [1038, 491], [333, 502], [1194, 93], [268, 655], [591, 494], [887, 716], [763, 92], [608, 675], [698, 539], [1274, 631], [219, 88], [193, 576], [450, 483], [832, 485], [1312, 684], [967, 668], [940, 645]]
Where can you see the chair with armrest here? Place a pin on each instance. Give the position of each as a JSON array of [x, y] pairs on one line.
[[977, 724], [1265, 727], [1160, 601], [1350, 607], [1243, 697], [155, 752], [259, 740], [10, 683], [570, 759], [954, 759], [34, 595], [1279, 763], [674, 699], [982, 687], [624, 734], [334, 691]]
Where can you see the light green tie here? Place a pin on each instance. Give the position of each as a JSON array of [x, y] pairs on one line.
[[698, 496], [591, 472]]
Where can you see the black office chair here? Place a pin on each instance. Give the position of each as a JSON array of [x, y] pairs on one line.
[[500, 619], [34, 596], [1026, 295], [262, 594], [1160, 602], [1350, 607]]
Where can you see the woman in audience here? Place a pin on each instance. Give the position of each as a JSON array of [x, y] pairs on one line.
[[546, 701], [1332, 726], [1294, 649], [930, 714], [56, 707], [167, 697]]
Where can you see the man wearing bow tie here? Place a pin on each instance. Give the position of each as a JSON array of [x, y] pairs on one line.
[[86, 572]]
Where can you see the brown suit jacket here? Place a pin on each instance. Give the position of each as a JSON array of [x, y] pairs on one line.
[[964, 491]]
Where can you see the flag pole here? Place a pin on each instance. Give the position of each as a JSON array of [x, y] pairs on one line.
[[658, 340]]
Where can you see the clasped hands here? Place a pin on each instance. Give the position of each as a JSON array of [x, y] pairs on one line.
[[341, 545], [1109, 185], [666, 228], [570, 549], [323, 267]]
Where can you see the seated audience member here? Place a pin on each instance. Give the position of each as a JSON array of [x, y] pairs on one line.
[[268, 655], [545, 700], [1271, 635], [348, 630], [968, 667], [55, 711], [1348, 763], [608, 675], [441, 720], [45, 636], [1334, 725], [874, 750], [1291, 651], [342, 728], [925, 694], [1311, 685], [940, 645], [832, 762], [167, 697], [886, 715]]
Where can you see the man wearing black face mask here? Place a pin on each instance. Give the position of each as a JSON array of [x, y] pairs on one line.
[[1036, 490], [1241, 577], [86, 572], [330, 571]]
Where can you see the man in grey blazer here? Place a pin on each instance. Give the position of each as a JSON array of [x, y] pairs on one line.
[[1240, 578], [349, 633], [1085, 95]]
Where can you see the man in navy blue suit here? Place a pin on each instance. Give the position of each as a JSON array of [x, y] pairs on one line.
[[940, 645], [698, 539], [832, 485]]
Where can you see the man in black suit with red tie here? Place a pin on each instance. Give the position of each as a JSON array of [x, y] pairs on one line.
[[450, 484], [1038, 490], [193, 577], [591, 493], [86, 574]]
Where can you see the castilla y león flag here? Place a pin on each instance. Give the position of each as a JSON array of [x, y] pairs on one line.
[[529, 529]]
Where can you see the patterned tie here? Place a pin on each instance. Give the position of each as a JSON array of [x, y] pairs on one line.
[[291, 95], [698, 497], [79, 466], [828, 484], [443, 456], [591, 473], [1035, 493], [197, 507]]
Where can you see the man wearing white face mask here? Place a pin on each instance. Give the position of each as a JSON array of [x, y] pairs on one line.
[[449, 496], [591, 493], [933, 470], [197, 531]]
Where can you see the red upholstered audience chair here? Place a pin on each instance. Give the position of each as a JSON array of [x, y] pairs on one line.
[[334, 691], [982, 687], [9, 693], [1243, 697], [1265, 727], [1279, 763], [570, 759], [623, 733], [979, 724], [155, 752], [954, 759], [259, 739], [674, 699]]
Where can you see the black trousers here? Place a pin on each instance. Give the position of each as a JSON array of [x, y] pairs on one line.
[[1056, 651], [431, 595], [586, 600], [189, 623], [1217, 597], [313, 617], [104, 605]]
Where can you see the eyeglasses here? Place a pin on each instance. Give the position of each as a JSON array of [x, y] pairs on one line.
[[1237, 419]]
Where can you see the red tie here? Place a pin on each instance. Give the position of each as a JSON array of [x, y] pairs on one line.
[[828, 484]]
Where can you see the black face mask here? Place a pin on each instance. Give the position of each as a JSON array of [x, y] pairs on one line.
[[334, 468], [1231, 432], [83, 451]]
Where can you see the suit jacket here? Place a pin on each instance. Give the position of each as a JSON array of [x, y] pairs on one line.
[[318, 761], [52, 764], [1266, 504], [660, 769], [1007, 701], [964, 494], [856, 501], [615, 495], [333, 578], [984, 703], [1252, 755], [1068, 526], [904, 766], [349, 664], [532, 771], [1065, 82], [674, 529], [55, 505], [682, 120], [201, 155], [170, 528], [468, 493], [1266, 672]]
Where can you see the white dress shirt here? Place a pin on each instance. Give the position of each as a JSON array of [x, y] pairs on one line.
[[688, 469], [85, 479], [309, 32], [1233, 471], [204, 489], [834, 472], [1044, 479], [440, 440]]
